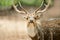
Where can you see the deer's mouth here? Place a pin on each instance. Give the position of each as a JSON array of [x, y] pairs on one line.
[[31, 22]]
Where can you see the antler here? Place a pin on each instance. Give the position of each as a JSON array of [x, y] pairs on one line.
[[25, 11], [46, 7], [23, 8]]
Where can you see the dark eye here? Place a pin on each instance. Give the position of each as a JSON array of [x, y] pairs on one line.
[[37, 16], [34, 17], [27, 18]]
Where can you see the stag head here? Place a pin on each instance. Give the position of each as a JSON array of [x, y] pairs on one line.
[[32, 18]]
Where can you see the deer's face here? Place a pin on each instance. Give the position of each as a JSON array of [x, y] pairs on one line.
[[32, 17]]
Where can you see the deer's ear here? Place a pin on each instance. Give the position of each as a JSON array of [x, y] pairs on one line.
[[39, 14]]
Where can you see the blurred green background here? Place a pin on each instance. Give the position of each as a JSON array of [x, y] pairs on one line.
[[5, 3]]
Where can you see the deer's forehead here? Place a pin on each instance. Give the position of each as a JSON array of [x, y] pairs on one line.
[[31, 15]]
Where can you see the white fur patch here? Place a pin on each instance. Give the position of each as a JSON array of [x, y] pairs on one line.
[[31, 31]]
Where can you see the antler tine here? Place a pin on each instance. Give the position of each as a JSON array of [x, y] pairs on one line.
[[17, 9], [38, 7], [45, 7], [23, 8]]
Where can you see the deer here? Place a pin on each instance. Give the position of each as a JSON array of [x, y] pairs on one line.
[[33, 20]]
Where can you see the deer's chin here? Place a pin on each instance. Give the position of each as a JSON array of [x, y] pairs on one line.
[[31, 22], [31, 31]]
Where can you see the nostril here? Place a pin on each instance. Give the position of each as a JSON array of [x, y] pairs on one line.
[[31, 21]]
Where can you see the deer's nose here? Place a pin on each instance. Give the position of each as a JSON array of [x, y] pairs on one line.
[[31, 21]]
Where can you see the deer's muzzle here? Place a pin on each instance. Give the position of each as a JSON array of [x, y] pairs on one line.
[[31, 21]]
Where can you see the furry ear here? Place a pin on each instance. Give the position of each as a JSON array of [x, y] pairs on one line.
[[25, 16], [39, 14]]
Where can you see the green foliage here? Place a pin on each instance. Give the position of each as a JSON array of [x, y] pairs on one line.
[[52, 2], [39, 2], [32, 2], [28, 2], [6, 2], [24, 2], [9, 3]]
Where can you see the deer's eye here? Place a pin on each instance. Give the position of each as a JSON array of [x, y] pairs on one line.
[[27, 18], [37, 16], [34, 17]]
